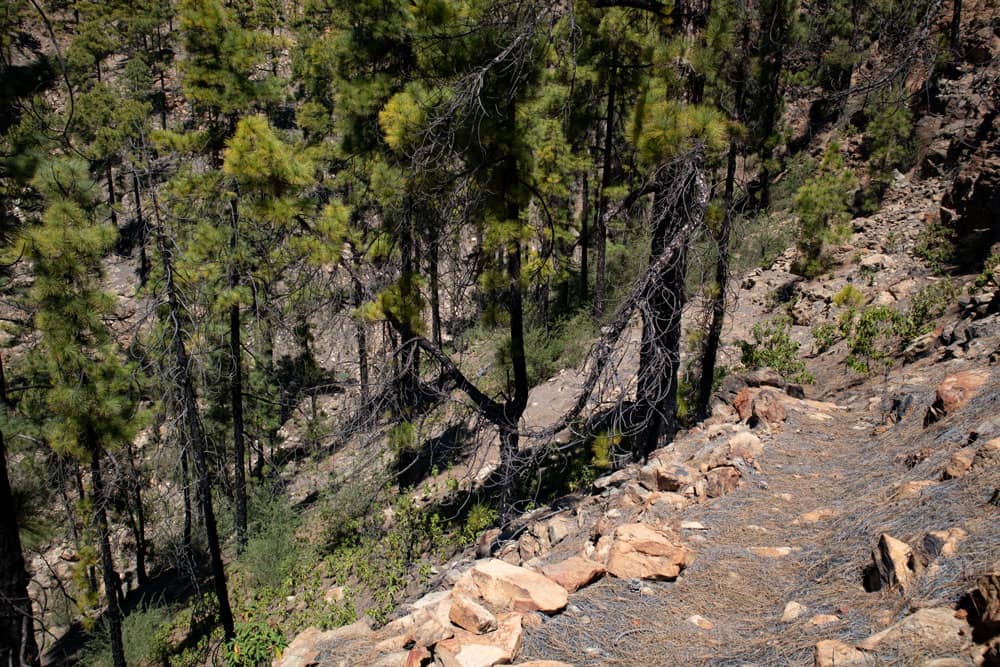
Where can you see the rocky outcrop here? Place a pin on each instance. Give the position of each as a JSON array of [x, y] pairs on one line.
[[641, 552], [507, 587], [953, 393], [894, 565]]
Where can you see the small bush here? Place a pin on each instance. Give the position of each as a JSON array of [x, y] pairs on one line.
[[936, 246], [825, 336], [849, 296], [256, 644], [822, 205], [773, 347], [563, 345], [990, 275]]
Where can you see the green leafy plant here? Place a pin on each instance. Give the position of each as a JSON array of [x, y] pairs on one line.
[[773, 347], [935, 245], [256, 644], [825, 336], [849, 296]]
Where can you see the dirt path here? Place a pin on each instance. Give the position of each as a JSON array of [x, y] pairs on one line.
[[758, 551]]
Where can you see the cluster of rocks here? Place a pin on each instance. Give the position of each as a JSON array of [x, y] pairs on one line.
[[628, 527]]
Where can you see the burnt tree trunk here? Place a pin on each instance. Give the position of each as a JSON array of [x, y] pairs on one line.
[[112, 583], [600, 221], [192, 424], [236, 398], [17, 627], [681, 194]]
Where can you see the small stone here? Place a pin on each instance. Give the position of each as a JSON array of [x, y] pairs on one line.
[[792, 611], [700, 621], [770, 552], [834, 653], [819, 515], [820, 620], [470, 615], [959, 463], [692, 525], [914, 488]]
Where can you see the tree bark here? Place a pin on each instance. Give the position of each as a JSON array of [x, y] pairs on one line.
[[137, 518], [111, 196], [112, 582], [956, 27], [433, 243], [681, 194], [236, 400], [192, 423], [17, 627], [143, 233], [584, 239], [600, 221]]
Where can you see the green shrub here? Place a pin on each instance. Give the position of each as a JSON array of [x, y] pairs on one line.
[[479, 518], [825, 336], [141, 634], [773, 347], [563, 345], [272, 553], [822, 205], [849, 296], [871, 336], [990, 275], [935, 245], [256, 644]]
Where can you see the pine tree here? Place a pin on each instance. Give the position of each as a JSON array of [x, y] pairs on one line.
[[92, 397]]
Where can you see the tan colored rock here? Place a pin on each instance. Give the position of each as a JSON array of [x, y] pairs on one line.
[[469, 615], [700, 621], [496, 648], [767, 408], [743, 403], [914, 488], [834, 653], [543, 663], [934, 628], [944, 542], [642, 552], [574, 573], [988, 455], [428, 632], [744, 446], [895, 565], [819, 515], [559, 527], [509, 587], [954, 392], [819, 620], [770, 552], [986, 596], [302, 651], [792, 611], [418, 657], [721, 481], [656, 476], [959, 463]]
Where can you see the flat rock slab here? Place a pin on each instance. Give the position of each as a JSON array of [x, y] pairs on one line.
[[642, 552], [574, 573], [506, 587]]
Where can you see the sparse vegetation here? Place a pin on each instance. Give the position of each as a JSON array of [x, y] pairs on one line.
[[773, 347], [823, 205]]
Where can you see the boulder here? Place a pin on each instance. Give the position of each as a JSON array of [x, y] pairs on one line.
[[988, 456], [500, 647], [743, 447], [657, 476], [894, 565], [509, 587], [756, 405], [953, 393], [986, 600], [559, 527], [574, 572], [934, 629], [642, 552], [959, 463], [721, 481], [418, 657], [834, 653], [471, 616]]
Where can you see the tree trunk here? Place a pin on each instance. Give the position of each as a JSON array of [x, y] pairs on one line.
[[143, 233], [681, 193], [712, 340], [186, 496], [137, 518], [956, 27], [111, 196], [773, 40], [600, 224], [112, 583], [432, 265], [584, 239], [361, 334], [714, 336], [192, 423], [236, 397], [17, 627]]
